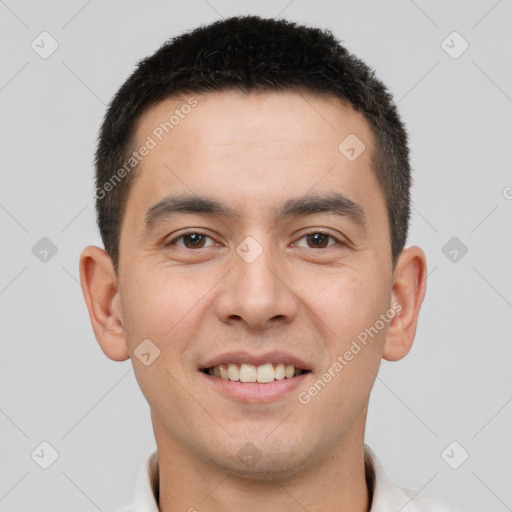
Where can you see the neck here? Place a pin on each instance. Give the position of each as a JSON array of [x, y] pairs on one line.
[[191, 483]]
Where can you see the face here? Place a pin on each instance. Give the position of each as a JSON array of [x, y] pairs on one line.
[[280, 255]]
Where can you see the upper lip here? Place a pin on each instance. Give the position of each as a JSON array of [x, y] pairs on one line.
[[256, 359]]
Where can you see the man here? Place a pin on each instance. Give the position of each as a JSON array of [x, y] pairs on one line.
[[252, 191]]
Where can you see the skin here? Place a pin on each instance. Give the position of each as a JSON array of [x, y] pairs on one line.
[[254, 152]]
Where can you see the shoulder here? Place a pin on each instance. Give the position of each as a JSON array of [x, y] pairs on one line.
[[388, 496], [419, 503]]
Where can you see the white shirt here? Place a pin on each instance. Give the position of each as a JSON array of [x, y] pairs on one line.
[[387, 497]]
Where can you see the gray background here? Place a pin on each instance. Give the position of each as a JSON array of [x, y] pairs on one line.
[[455, 385]]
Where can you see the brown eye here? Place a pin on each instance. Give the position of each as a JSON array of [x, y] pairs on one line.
[[318, 240], [191, 241]]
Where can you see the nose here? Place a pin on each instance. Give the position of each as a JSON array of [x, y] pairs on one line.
[[257, 293]]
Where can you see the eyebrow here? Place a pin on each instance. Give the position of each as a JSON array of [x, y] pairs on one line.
[[333, 202]]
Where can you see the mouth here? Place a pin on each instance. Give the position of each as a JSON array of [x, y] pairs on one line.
[[250, 373], [251, 378]]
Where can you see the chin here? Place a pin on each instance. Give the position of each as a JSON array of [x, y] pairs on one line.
[[268, 463], [268, 471]]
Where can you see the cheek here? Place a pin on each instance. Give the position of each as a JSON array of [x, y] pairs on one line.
[[162, 308], [360, 336], [152, 304], [351, 307], [349, 303], [166, 307]]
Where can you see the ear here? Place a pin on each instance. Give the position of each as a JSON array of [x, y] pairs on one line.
[[409, 284], [100, 289]]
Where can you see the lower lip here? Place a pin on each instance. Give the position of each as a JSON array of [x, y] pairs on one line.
[[254, 392]]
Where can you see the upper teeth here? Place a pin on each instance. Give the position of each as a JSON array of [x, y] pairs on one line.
[[250, 373]]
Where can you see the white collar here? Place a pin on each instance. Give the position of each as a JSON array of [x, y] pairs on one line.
[[386, 495]]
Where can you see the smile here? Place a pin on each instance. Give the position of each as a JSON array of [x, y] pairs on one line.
[[247, 373]]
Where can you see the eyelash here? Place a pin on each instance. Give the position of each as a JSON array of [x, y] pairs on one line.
[[314, 232]]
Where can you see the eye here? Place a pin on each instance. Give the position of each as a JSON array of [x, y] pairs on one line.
[[318, 239], [191, 240]]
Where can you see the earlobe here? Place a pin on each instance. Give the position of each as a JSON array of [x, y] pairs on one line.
[[101, 294], [409, 284]]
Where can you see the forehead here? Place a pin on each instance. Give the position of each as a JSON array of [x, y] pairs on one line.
[[252, 120], [248, 146]]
